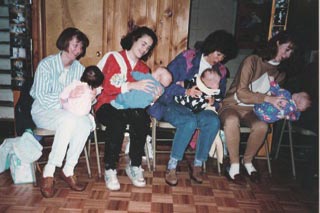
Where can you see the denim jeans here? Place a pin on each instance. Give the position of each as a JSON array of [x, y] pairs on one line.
[[186, 122]]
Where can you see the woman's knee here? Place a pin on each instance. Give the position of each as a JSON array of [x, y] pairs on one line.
[[260, 126], [231, 120], [79, 123], [211, 121], [190, 125]]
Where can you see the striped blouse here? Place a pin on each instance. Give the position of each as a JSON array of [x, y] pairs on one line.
[[50, 79]]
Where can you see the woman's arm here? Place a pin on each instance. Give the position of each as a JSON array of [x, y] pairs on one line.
[[43, 89], [178, 69], [247, 72]]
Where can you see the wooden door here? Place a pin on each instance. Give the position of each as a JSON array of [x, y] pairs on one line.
[[59, 14], [107, 21]]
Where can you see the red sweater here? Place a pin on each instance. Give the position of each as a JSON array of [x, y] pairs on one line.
[[111, 72]]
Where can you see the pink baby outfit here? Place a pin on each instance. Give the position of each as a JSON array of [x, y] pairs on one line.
[[81, 105]]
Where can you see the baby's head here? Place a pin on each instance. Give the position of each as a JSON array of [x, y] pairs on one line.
[[93, 76], [302, 101], [211, 78], [162, 75]]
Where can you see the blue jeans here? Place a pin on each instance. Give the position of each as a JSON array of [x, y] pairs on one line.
[[186, 122]]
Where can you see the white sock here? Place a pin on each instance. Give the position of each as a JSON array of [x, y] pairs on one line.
[[68, 170], [250, 168], [48, 170], [234, 169]]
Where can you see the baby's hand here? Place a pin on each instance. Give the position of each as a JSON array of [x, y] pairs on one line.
[[210, 100], [181, 83], [194, 92]]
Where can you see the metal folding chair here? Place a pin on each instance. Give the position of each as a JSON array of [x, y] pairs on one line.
[[290, 130]]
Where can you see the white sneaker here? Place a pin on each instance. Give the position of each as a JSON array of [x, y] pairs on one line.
[[111, 179], [136, 175]]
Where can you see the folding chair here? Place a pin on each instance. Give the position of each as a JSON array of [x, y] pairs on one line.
[[49, 133], [292, 129]]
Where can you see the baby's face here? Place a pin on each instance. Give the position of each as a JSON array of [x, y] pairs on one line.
[[163, 76], [301, 100], [211, 80]]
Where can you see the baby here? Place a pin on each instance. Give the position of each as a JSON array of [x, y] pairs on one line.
[[161, 78], [290, 109], [88, 87], [208, 84]]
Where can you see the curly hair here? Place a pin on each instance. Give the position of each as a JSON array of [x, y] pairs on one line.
[[269, 50], [221, 41], [67, 35], [128, 40]]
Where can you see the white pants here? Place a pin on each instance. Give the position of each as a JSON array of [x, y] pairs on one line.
[[70, 130]]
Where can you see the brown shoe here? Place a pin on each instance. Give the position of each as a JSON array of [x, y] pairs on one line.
[[72, 182], [171, 177], [196, 173], [47, 186]]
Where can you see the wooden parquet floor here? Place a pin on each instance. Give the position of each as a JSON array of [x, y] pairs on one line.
[[279, 193]]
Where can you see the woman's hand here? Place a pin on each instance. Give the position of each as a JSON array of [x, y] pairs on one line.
[[193, 92], [277, 101], [77, 92], [143, 85]]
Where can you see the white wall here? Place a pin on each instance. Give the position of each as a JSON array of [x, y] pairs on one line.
[[210, 15]]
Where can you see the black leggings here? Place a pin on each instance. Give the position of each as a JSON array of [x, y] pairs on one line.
[[116, 121]]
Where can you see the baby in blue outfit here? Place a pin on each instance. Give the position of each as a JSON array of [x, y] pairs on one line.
[[161, 78]]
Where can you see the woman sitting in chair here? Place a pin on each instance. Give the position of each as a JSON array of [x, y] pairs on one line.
[[250, 86], [53, 74], [216, 48]]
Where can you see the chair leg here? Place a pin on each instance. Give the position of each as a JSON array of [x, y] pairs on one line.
[[218, 163], [219, 168], [204, 167], [268, 157], [154, 140], [280, 139], [291, 150], [147, 156], [89, 148], [97, 152], [87, 161], [35, 167]]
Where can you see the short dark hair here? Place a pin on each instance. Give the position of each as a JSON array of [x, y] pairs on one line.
[[128, 40], [66, 36], [269, 50], [93, 76], [221, 41]]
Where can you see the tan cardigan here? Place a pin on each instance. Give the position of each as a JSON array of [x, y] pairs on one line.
[[251, 69]]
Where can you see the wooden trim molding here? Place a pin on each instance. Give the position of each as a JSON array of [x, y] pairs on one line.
[[37, 32]]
